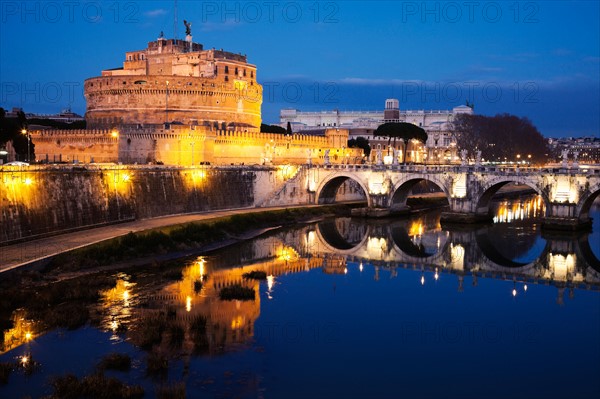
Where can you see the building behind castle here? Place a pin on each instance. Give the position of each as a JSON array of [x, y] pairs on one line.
[[440, 145]]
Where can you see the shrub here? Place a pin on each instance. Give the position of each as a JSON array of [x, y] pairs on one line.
[[5, 370], [175, 391], [255, 275], [149, 332], [94, 386], [156, 365], [238, 292], [116, 361]]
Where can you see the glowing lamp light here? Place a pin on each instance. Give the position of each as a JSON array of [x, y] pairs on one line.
[[28, 181], [27, 336], [188, 304], [24, 359], [422, 280], [514, 292], [525, 288], [126, 177], [360, 267], [436, 276], [114, 134], [345, 270]]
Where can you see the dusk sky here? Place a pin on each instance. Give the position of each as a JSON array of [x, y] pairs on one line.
[[535, 59]]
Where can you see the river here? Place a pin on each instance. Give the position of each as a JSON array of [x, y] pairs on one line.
[[348, 309]]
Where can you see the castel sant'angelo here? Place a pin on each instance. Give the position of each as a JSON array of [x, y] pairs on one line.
[[180, 104]]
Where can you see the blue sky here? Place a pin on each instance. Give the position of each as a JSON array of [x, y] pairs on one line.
[[535, 59]]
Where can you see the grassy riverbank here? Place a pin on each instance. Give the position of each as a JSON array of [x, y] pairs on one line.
[[183, 238]]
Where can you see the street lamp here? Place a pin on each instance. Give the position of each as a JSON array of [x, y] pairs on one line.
[[25, 132]]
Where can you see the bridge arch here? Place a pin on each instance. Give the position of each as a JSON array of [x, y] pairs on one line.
[[334, 241], [327, 190], [484, 197], [403, 187], [416, 252], [586, 201], [494, 255]]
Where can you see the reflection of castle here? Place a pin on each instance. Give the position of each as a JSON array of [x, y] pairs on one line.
[[227, 322], [177, 103]]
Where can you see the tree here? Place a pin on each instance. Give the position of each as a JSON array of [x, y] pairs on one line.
[[289, 128], [401, 130], [503, 137], [360, 142], [271, 129], [10, 130]]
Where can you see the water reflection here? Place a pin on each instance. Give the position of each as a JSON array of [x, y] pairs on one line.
[[24, 330], [186, 319], [338, 245], [116, 304], [527, 207]]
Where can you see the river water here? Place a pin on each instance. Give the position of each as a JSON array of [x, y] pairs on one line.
[[352, 309]]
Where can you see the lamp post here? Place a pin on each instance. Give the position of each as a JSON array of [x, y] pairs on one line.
[[26, 133]]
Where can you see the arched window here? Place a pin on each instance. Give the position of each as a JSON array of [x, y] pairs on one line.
[[226, 69]]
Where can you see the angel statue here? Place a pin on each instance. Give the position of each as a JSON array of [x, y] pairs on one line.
[[188, 28]]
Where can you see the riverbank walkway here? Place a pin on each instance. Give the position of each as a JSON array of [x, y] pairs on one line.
[[38, 250]]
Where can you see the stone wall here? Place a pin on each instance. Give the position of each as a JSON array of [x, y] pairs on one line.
[[35, 202], [191, 145]]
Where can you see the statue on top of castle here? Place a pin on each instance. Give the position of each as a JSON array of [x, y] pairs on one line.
[[162, 35], [188, 28]]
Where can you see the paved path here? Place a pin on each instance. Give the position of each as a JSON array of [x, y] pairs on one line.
[[16, 255]]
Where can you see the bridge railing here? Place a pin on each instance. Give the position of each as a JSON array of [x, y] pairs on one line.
[[493, 169]]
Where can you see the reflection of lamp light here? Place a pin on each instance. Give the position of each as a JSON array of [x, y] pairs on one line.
[[436, 275], [270, 284], [422, 279], [514, 291], [525, 288], [360, 267]]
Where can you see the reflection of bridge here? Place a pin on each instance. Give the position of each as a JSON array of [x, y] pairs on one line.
[[567, 193], [420, 245]]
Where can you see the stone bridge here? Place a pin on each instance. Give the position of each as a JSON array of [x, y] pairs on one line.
[[567, 193]]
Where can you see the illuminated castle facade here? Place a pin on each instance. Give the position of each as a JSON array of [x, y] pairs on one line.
[[176, 81], [179, 104]]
